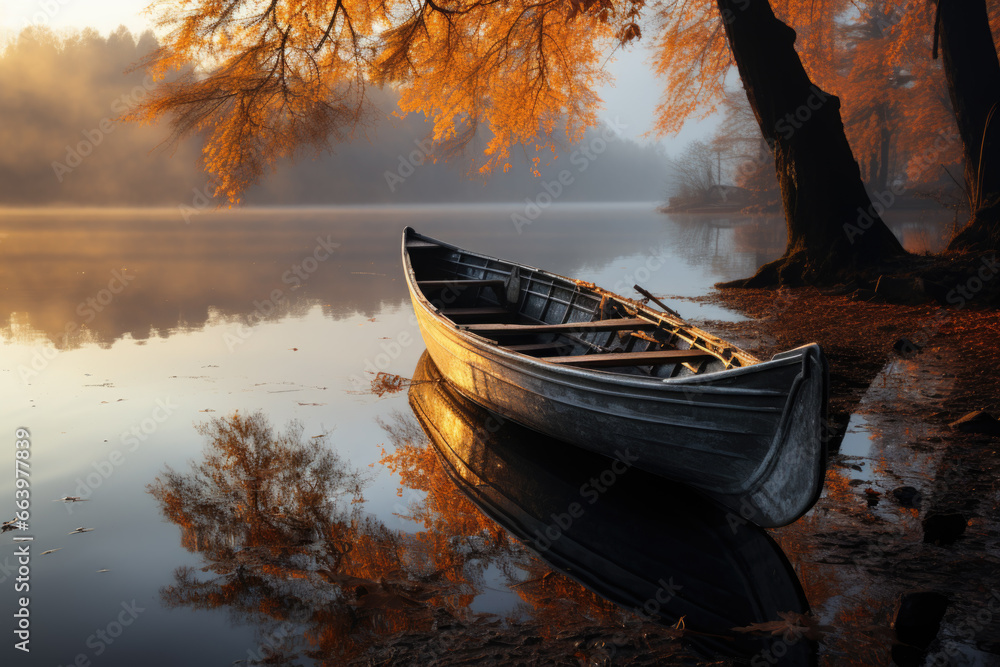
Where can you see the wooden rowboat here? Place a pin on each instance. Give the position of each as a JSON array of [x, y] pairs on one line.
[[640, 543], [613, 376]]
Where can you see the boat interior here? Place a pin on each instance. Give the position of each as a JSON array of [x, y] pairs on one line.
[[561, 321]]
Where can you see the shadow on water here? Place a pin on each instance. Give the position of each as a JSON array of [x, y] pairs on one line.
[[649, 545], [277, 521]]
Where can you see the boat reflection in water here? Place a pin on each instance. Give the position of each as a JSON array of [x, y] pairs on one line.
[[638, 540]]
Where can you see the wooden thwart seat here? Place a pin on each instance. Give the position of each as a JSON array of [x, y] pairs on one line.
[[629, 358], [634, 323], [485, 311], [458, 283]]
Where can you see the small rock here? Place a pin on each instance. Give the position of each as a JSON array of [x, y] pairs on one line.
[[944, 528], [906, 348], [907, 496], [872, 496], [856, 482], [978, 421], [918, 618], [904, 655]]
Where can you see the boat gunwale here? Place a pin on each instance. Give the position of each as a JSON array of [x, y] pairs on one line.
[[527, 361]]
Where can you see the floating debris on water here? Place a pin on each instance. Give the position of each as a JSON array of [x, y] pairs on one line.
[[71, 499]]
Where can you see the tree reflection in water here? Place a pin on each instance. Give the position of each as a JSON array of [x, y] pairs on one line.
[[463, 540], [287, 548], [277, 520]]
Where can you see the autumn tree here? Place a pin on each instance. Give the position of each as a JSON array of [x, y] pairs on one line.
[[973, 71], [693, 174], [897, 114], [271, 79], [831, 222], [751, 162]]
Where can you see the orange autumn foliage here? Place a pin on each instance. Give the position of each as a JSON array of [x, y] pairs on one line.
[[264, 81]]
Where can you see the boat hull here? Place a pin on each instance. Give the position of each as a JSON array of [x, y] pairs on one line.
[[750, 437], [639, 542]]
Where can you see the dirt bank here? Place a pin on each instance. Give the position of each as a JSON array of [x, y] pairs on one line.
[[911, 503]]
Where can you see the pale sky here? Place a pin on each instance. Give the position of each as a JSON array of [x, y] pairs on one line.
[[632, 99]]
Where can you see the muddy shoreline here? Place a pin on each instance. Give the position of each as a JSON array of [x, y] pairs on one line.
[[911, 502]]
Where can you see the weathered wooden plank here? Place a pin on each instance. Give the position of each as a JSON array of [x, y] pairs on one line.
[[459, 283], [484, 311], [633, 323], [538, 347], [629, 358]]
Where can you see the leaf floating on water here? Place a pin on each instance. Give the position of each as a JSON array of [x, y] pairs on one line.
[[791, 623], [389, 383]]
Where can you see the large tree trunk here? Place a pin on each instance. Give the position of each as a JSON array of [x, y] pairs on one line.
[[973, 72], [881, 182], [833, 229]]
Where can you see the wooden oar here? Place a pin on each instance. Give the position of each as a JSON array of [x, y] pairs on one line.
[[657, 302]]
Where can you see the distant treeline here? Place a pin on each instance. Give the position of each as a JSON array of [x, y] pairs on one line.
[[63, 97]]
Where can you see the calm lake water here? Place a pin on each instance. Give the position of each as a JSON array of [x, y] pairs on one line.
[[125, 330]]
